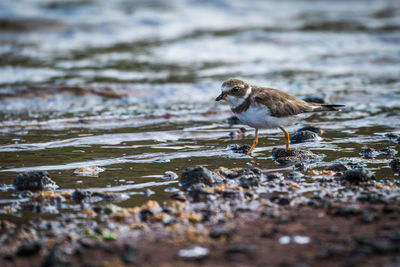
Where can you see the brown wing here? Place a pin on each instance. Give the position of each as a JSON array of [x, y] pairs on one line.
[[280, 104]]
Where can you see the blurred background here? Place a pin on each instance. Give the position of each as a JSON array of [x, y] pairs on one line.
[[129, 86]]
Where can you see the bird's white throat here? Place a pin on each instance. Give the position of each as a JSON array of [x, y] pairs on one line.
[[237, 101]]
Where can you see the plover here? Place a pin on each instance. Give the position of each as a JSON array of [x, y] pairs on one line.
[[266, 108]]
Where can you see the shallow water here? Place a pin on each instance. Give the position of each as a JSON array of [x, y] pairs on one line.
[[130, 86]]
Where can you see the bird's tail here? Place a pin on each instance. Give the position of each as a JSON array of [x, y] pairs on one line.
[[327, 107]]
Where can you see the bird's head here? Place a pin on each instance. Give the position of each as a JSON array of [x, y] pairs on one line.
[[234, 91]]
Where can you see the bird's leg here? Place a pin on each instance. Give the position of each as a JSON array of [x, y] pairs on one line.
[[287, 137], [254, 143]]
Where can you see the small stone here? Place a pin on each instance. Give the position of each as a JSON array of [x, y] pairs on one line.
[[388, 152], [358, 175], [57, 257], [368, 153], [191, 176], [274, 176], [195, 252], [180, 196], [198, 192], [314, 129], [392, 135], [395, 165], [243, 149], [221, 232], [234, 253], [29, 248], [291, 156], [248, 182], [35, 180], [304, 136]]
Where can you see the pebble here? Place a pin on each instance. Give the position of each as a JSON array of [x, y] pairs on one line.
[[243, 149], [35, 180], [395, 165], [29, 248], [57, 257], [358, 175], [368, 153], [199, 174], [195, 252], [291, 156], [388, 152], [304, 136]]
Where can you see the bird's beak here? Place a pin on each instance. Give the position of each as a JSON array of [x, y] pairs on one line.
[[221, 96]]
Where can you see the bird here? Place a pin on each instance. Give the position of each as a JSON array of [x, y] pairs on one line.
[[267, 108]]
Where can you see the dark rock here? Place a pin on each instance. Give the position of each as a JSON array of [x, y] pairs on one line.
[[198, 192], [243, 149], [237, 173], [303, 136], [368, 153], [29, 248], [388, 209], [281, 200], [336, 167], [35, 180], [235, 253], [295, 175], [392, 135], [91, 197], [199, 174], [291, 156], [221, 232], [249, 181], [231, 194], [80, 195], [388, 152], [129, 254], [316, 130], [346, 210], [57, 257], [395, 165], [314, 99], [274, 176], [358, 175], [269, 233], [180, 196]]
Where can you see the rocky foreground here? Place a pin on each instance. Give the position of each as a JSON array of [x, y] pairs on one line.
[[341, 215]]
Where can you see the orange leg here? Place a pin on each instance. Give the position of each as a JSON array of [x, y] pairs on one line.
[[254, 143], [287, 137]]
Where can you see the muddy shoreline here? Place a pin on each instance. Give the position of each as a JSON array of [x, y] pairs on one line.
[[339, 216]]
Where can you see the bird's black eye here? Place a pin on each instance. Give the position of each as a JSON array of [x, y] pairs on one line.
[[235, 89]]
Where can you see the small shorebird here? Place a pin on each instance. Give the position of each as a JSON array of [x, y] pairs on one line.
[[265, 108]]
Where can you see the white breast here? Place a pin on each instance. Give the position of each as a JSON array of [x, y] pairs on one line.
[[258, 116]]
